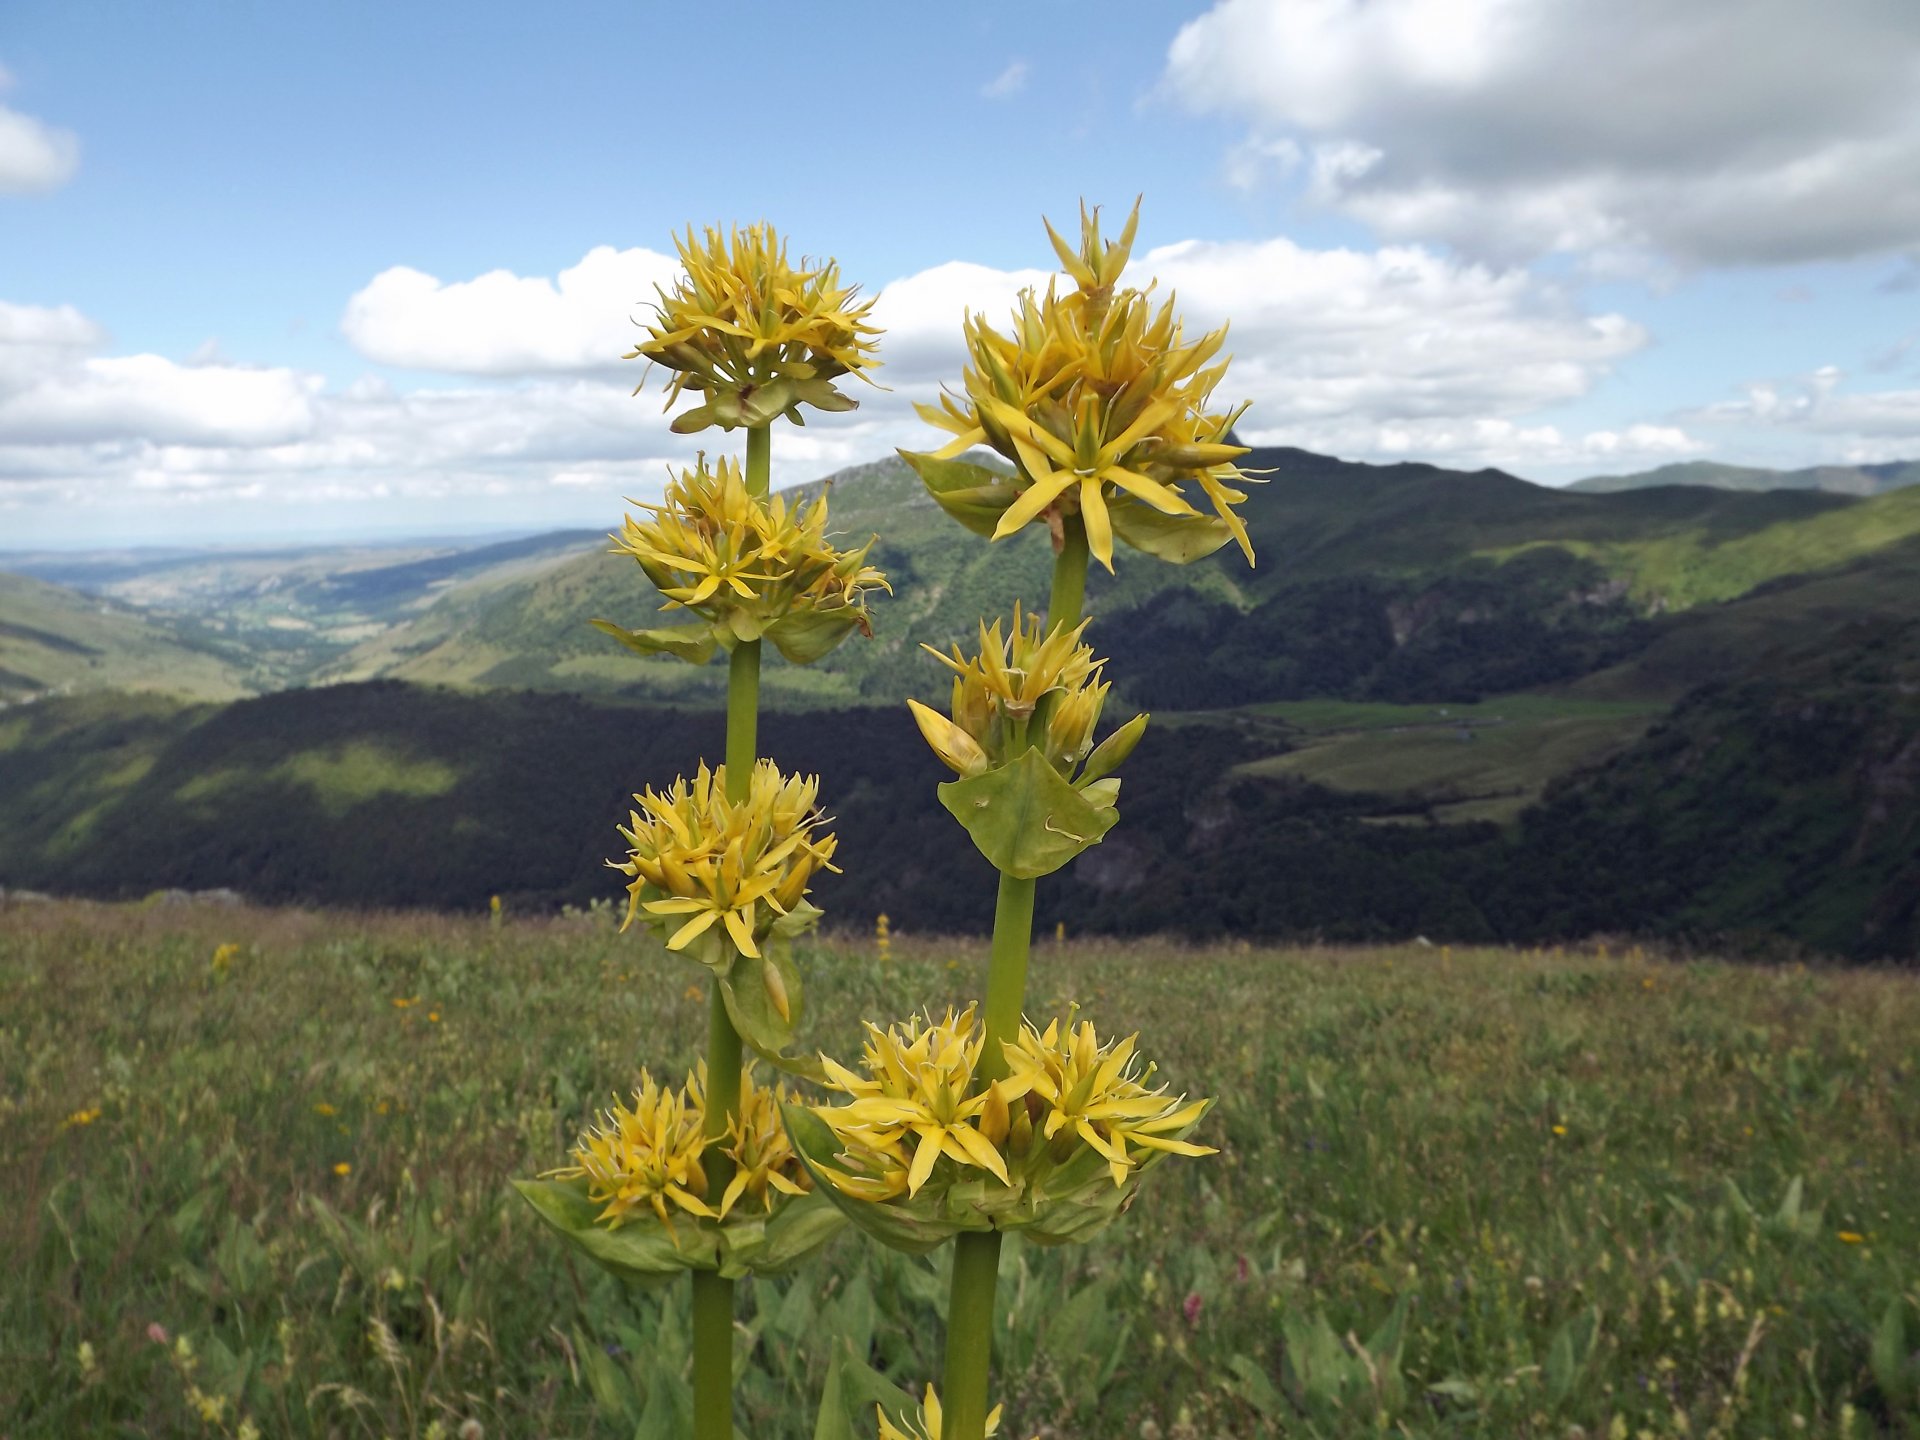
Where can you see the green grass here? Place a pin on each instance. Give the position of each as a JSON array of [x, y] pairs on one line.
[[57, 640], [1475, 1193], [1421, 759]]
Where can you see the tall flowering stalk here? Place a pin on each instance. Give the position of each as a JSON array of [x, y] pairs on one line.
[[971, 1126], [720, 864]]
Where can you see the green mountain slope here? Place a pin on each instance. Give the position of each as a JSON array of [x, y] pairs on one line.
[[56, 640], [1452, 584], [1834, 479]]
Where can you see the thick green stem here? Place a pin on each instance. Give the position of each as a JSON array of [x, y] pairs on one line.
[[963, 1393], [1069, 594], [759, 460], [1007, 971], [713, 1296], [743, 717], [976, 1257]]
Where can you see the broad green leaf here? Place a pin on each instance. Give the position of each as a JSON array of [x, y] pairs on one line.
[[1024, 817], [641, 1252], [693, 643], [1180, 539], [749, 986], [971, 494], [805, 635]]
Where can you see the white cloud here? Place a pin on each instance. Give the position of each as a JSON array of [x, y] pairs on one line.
[[34, 156], [1874, 424], [1399, 352], [506, 324], [1010, 81], [1719, 132]]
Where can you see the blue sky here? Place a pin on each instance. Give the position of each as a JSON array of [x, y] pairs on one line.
[[238, 244]]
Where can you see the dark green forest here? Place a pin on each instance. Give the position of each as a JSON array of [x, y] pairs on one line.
[[1771, 816]]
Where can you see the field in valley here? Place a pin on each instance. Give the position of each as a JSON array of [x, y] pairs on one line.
[[1476, 1192]]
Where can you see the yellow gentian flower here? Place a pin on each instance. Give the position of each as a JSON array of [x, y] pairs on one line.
[[1026, 686], [645, 1156], [1101, 404], [747, 563], [925, 1425], [1098, 1093], [698, 860], [913, 1105], [755, 334]]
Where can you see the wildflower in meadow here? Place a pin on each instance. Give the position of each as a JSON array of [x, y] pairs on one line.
[[748, 565], [1102, 406], [925, 1425], [754, 334], [699, 859]]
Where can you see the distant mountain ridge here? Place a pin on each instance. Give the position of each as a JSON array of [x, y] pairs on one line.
[[1831, 479]]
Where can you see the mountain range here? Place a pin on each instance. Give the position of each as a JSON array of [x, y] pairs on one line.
[[1442, 702]]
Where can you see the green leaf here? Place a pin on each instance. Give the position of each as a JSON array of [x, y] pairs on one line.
[[971, 494], [801, 1225], [748, 995], [1181, 539], [805, 635], [766, 404], [642, 1252], [833, 1422], [693, 643], [1893, 1369], [1024, 817]]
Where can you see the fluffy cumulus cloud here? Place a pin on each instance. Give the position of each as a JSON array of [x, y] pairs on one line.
[[34, 155], [1834, 421], [1395, 353], [501, 323], [1716, 132]]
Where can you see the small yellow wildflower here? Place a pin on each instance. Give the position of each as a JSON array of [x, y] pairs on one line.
[[401, 1002], [1099, 1093], [1851, 1237], [925, 1425], [323, 1108], [748, 565], [223, 958], [433, 1017], [754, 334], [913, 1106], [1101, 405], [342, 1167], [699, 860], [81, 1117], [1030, 686], [1559, 1129]]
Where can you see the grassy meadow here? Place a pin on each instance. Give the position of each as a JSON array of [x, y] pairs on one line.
[[1487, 1193]]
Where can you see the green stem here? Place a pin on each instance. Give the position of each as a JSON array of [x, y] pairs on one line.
[[1069, 594], [1007, 971], [759, 460], [712, 1295], [963, 1393]]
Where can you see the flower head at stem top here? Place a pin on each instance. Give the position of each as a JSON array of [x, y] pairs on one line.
[[744, 562], [1102, 405], [754, 334], [701, 861], [650, 1155], [914, 1105], [1100, 1093]]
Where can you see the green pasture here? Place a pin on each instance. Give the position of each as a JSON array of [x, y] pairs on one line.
[[1451, 763], [1486, 1193]]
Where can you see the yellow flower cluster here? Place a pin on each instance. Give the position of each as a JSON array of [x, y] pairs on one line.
[[1101, 404], [744, 562], [753, 333], [1027, 686], [648, 1156], [699, 860], [917, 1103], [1098, 1093], [925, 1425]]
